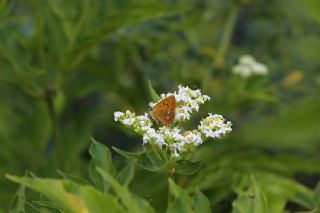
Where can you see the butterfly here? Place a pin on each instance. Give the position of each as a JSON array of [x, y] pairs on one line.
[[164, 112]]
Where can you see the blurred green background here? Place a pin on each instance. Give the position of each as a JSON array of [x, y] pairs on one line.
[[66, 66]]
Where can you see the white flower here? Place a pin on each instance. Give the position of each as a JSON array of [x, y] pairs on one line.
[[260, 68], [117, 115], [246, 59], [248, 66], [214, 126], [174, 138], [193, 137]]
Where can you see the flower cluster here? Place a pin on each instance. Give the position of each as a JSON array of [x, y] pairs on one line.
[[188, 101], [248, 66], [176, 140]]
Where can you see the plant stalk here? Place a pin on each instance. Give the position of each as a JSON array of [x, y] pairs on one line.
[[226, 36], [58, 151]]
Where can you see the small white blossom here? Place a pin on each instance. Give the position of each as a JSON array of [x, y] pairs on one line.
[[246, 59], [214, 126], [176, 139], [248, 66], [117, 115]]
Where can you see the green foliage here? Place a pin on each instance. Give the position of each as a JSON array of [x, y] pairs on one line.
[[101, 157], [66, 66], [251, 201]]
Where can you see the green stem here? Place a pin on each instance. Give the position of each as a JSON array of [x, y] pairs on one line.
[[227, 35], [155, 150], [56, 130]]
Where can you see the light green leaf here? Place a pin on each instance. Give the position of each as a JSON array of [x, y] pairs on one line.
[[317, 194], [201, 204], [53, 189], [133, 203], [125, 176], [73, 178], [251, 201], [312, 7], [298, 127], [101, 157], [98, 202], [153, 94], [181, 201], [18, 203], [147, 160], [69, 196]]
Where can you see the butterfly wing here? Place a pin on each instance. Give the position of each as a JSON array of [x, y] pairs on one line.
[[165, 117], [164, 111]]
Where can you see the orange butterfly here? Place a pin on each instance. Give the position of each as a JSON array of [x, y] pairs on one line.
[[164, 112]]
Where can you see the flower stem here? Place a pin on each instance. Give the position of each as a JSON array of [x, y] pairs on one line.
[[226, 36], [155, 150], [58, 156]]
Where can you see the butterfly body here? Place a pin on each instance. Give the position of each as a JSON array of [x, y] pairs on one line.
[[164, 112]]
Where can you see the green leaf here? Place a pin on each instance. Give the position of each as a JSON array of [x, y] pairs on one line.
[[181, 201], [186, 167], [200, 203], [97, 202], [69, 196], [133, 203], [101, 157], [125, 176], [312, 7], [251, 201], [280, 187], [147, 160], [18, 203], [153, 94], [128, 155], [298, 127], [317, 194], [73, 178], [316, 210], [51, 188]]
